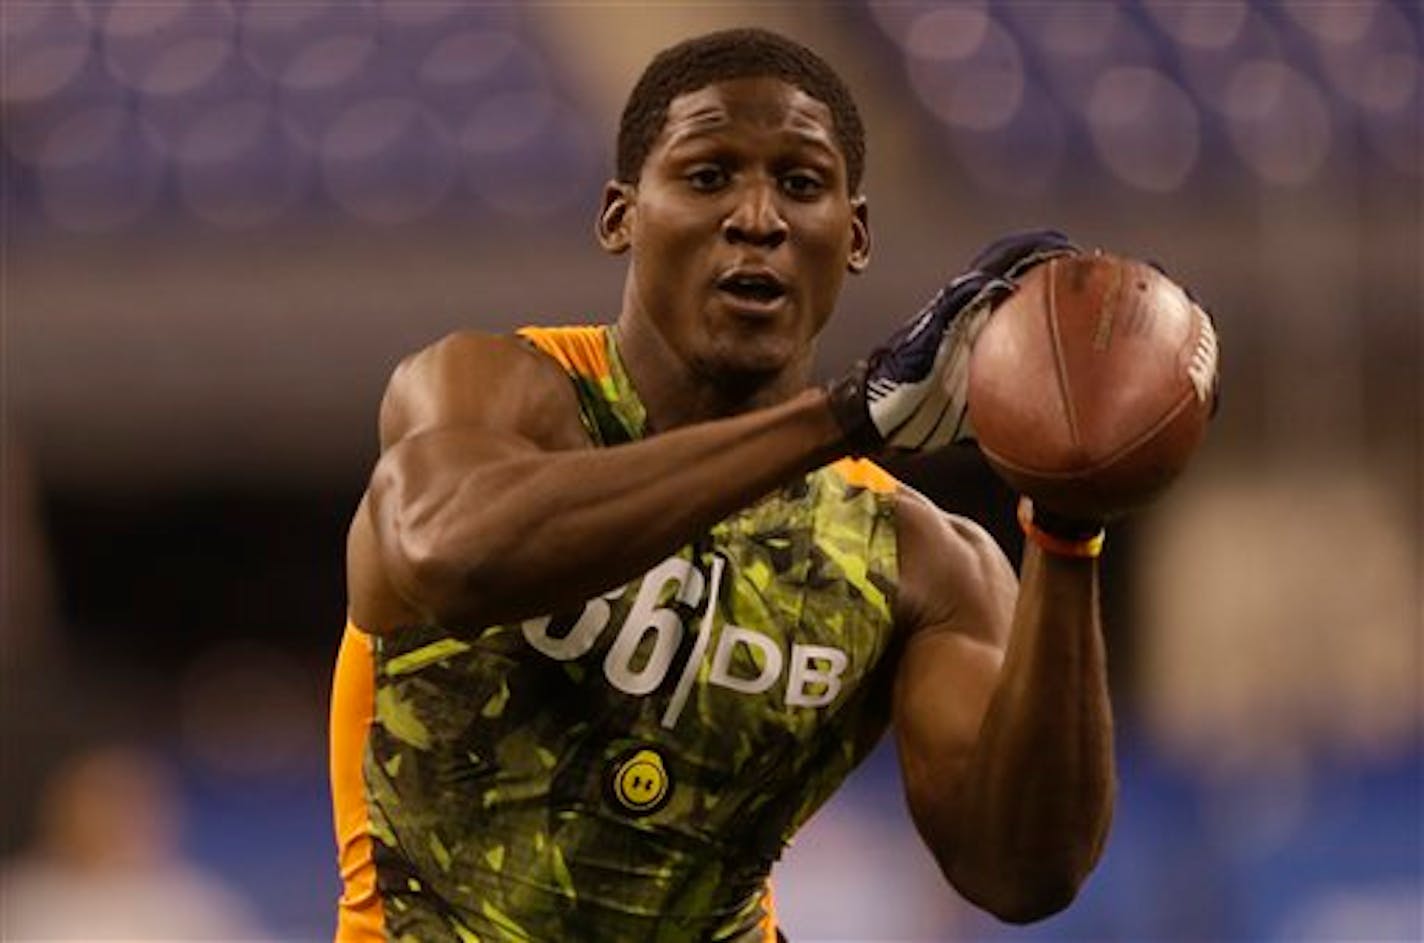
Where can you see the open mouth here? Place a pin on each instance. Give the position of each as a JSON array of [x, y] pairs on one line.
[[760, 288]]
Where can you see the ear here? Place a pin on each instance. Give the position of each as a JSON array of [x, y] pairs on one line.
[[614, 226], [859, 236]]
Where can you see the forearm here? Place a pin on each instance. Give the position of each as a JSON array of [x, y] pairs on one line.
[[1033, 802], [534, 532]]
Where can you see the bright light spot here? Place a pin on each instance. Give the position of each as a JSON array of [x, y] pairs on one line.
[[1144, 127], [1021, 160], [1080, 41], [238, 166], [186, 65], [543, 176], [387, 161], [274, 35], [23, 19], [982, 91], [1206, 70], [895, 17], [1339, 22], [35, 74], [258, 18], [99, 170], [1387, 83], [1382, 72], [128, 19], [328, 63], [223, 133], [950, 32], [1215, 25], [1256, 89], [169, 49], [86, 136], [503, 123], [468, 56], [370, 127], [40, 22], [1076, 29], [1278, 121]]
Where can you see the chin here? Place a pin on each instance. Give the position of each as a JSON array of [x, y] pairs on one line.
[[754, 362]]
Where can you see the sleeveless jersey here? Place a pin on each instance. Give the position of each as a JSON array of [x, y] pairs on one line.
[[630, 770]]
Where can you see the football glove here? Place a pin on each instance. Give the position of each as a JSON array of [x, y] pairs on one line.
[[909, 395]]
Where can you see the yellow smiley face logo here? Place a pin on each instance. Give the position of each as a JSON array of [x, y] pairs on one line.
[[641, 783]]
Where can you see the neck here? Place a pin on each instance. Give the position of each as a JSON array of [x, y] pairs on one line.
[[676, 393]]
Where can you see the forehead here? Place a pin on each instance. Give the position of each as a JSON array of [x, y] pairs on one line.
[[761, 104]]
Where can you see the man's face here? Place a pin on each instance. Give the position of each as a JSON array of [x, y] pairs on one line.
[[741, 228]]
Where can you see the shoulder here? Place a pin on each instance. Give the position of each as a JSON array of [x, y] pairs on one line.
[[470, 377], [465, 358], [952, 572]]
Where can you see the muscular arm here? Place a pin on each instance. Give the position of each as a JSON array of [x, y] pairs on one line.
[[1002, 715], [488, 505]]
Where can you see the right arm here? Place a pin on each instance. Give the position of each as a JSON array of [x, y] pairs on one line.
[[488, 505]]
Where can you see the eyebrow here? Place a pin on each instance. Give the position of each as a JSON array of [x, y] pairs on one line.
[[709, 120], [707, 114]]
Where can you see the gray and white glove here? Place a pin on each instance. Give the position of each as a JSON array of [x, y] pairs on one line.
[[909, 395]]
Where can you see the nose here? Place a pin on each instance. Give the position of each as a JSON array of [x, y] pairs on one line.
[[755, 219]]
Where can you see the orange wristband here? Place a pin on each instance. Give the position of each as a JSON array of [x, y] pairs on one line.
[[1086, 548]]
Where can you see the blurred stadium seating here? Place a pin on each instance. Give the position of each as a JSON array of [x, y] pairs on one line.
[[242, 115]]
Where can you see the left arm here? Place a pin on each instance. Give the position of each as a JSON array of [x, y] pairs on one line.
[[1001, 713]]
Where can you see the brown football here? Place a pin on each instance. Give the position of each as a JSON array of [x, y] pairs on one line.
[[1091, 385]]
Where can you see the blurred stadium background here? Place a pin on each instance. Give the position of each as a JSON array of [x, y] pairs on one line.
[[225, 222]]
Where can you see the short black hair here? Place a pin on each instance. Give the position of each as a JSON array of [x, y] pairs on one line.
[[734, 54]]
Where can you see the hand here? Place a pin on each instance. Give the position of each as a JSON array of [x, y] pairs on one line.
[[909, 395]]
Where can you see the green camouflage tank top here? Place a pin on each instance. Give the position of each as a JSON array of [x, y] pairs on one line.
[[631, 770]]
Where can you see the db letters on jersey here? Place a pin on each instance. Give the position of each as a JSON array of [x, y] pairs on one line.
[[645, 644]]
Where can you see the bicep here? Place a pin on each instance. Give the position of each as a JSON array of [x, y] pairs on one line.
[[942, 691], [961, 592], [468, 411], [463, 412]]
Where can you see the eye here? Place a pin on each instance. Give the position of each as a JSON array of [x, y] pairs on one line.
[[802, 185], [707, 177]]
